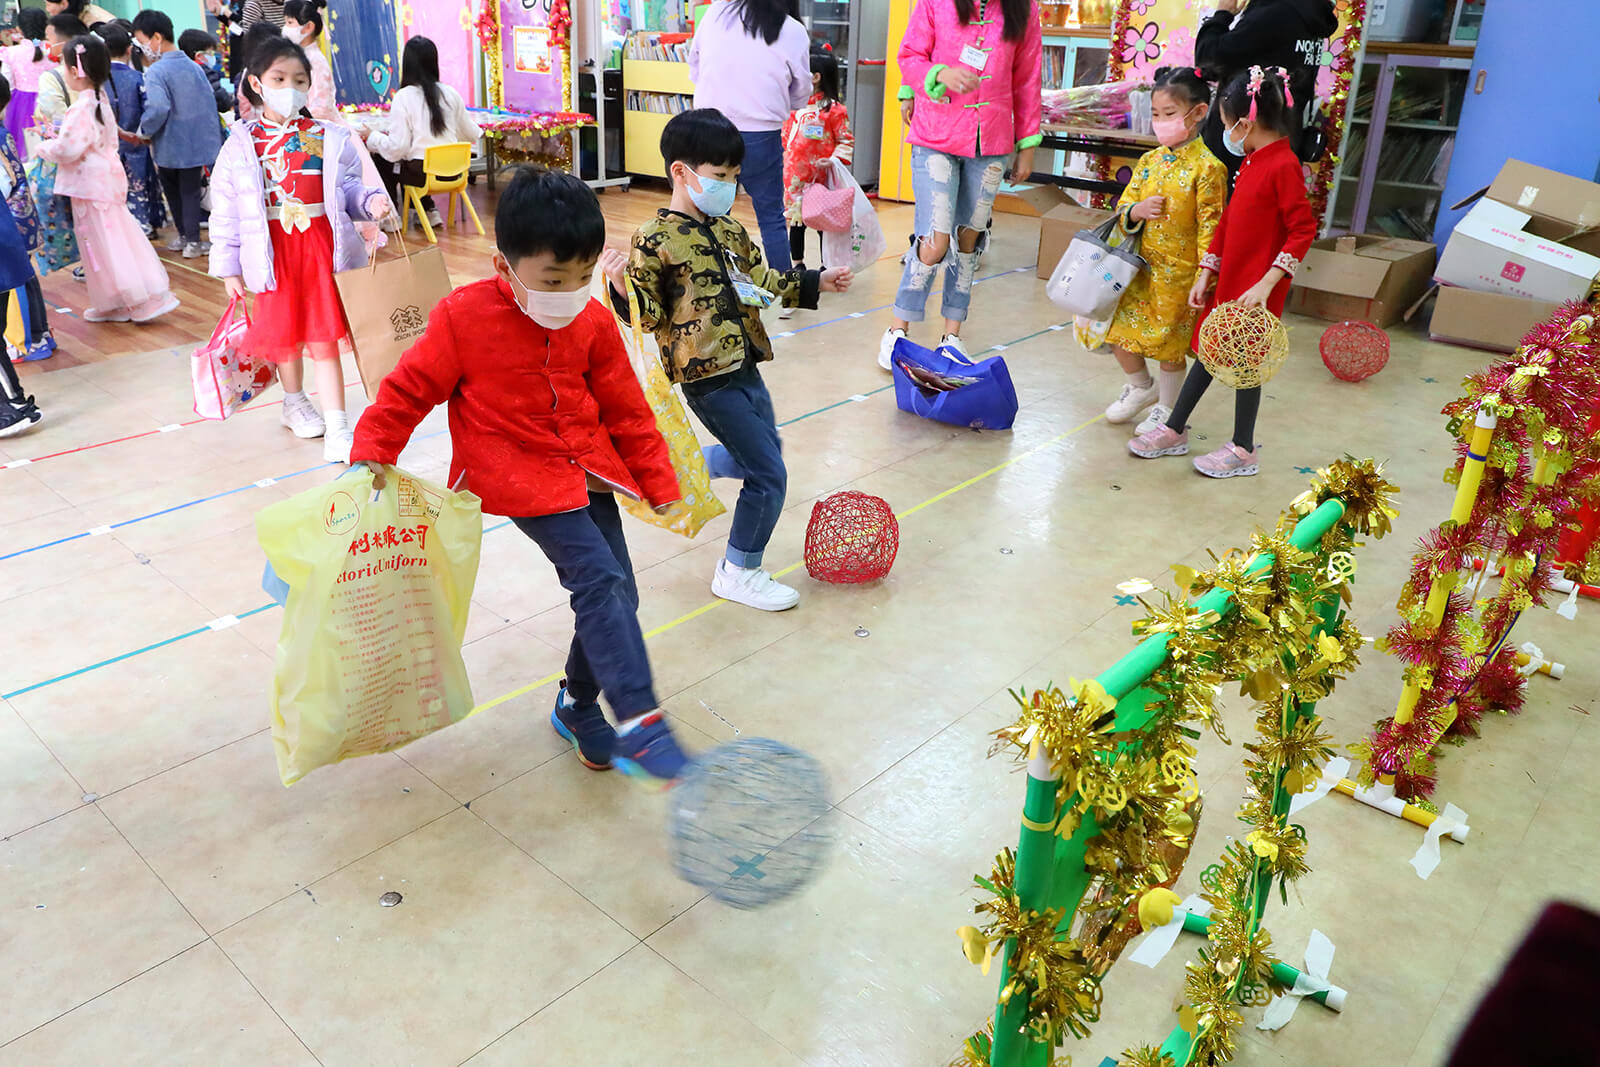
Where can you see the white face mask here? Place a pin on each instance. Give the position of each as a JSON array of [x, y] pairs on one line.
[[553, 311], [284, 100]]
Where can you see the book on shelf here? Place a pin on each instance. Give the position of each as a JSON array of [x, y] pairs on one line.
[[659, 47], [659, 103]]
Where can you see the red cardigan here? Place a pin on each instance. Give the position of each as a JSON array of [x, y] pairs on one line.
[[532, 411], [1267, 223]]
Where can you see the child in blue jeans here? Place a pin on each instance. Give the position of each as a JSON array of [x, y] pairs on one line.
[[701, 286], [547, 421]]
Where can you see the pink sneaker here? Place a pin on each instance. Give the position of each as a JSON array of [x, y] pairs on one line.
[[1161, 441], [1229, 461]]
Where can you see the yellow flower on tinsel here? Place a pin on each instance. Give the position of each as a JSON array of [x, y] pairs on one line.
[[1156, 907], [1261, 845]]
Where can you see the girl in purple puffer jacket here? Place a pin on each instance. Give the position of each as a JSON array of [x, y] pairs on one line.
[[970, 72], [286, 192]]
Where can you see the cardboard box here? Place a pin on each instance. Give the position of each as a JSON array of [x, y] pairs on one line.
[[1362, 277], [1486, 320], [1548, 194], [1057, 227], [1502, 249], [1034, 201]]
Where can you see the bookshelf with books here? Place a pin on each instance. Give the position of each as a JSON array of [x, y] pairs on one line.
[[655, 86], [1404, 111]]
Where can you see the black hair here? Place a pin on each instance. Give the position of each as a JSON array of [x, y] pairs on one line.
[[5, 91], [88, 54], [702, 135], [31, 22], [306, 13], [119, 42], [1017, 14], [762, 18], [419, 66], [826, 64], [1184, 83], [258, 34], [260, 58], [192, 42], [68, 26], [1272, 110], [550, 211], [152, 23]]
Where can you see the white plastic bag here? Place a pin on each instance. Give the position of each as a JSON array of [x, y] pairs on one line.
[[863, 244]]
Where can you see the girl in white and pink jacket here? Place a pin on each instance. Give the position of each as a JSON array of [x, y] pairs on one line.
[[970, 74], [286, 193]]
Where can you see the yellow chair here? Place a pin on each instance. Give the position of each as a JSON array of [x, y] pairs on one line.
[[445, 167]]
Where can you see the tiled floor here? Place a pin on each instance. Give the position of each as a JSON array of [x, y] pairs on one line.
[[164, 900]]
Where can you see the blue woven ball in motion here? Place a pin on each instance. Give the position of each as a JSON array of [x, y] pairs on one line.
[[750, 822]]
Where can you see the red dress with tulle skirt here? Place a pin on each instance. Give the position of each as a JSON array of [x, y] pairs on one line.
[[305, 307]]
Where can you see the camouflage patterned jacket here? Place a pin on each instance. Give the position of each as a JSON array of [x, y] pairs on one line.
[[680, 272]]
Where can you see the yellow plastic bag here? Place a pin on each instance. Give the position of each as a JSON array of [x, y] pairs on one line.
[[379, 586], [699, 504]]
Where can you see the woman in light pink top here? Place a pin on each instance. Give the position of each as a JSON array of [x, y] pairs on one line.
[[24, 64]]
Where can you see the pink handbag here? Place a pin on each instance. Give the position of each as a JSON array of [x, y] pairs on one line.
[[226, 379], [827, 207]]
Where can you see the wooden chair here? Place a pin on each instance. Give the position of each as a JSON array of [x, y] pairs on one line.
[[445, 166]]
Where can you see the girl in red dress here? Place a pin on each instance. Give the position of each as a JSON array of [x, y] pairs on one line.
[[1265, 231], [286, 194]]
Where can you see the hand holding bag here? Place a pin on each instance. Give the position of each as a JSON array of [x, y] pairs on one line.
[[1092, 274], [378, 588], [935, 386], [699, 504], [224, 378], [387, 305], [829, 204]]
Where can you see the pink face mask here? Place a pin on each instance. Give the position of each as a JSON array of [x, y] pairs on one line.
[[1170, 132]]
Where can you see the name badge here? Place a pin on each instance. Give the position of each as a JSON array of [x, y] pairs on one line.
[[749, 293], [974, 57], [812, 131]]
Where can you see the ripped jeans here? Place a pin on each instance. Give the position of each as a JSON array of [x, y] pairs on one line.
[[953, 193]]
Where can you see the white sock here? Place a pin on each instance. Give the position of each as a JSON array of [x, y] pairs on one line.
[[1172, 376], [1139, 379], [627, 726], [288, 396], [336, 420]]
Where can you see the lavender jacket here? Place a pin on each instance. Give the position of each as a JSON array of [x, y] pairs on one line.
[[240, 243]]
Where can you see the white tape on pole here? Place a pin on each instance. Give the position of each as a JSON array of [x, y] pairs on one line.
[[1427, 857], [1158, 942], [1335, 769], [1314, 979]]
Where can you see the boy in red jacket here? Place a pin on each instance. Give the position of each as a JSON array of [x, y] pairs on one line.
[[547, 421]]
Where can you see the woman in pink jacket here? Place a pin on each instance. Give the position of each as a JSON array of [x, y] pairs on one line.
[[971, 70]]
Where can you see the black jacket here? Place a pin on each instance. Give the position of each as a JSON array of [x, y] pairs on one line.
[[1269, 33]]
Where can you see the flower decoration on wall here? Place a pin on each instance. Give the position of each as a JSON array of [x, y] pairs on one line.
[[1141, 44]]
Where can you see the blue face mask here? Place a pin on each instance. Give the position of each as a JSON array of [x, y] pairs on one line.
[[714, 197], [1236, 147]]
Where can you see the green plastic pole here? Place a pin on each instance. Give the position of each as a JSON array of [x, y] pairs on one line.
[[1199, 924]]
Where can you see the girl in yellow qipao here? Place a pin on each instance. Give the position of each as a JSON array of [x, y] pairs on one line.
[[1173, 201]]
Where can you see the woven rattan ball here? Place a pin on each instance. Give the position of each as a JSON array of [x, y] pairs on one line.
[[750, 822], [852, 537], [1242, 346], [1354, 350]]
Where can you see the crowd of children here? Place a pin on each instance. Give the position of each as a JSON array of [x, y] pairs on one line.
[[546, 415]]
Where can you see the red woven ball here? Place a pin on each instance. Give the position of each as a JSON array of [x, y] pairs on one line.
[[852, 537], [1354, 350]]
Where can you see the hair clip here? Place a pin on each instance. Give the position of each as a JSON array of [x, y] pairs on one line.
[[1198, 73], [78, 61]]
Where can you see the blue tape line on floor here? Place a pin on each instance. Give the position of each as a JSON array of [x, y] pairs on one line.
[[488, 529]]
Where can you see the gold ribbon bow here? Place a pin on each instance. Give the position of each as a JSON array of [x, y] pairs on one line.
[[294, 217]]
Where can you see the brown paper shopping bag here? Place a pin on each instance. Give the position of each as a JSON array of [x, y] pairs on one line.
[[387, 305]]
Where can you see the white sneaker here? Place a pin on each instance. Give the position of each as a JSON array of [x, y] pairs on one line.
[[752, 588], [1132, 401], [953, 344], [886, 348], [196, 249], [786, 312], [1158, 417], [301, 416], [336, 444], [176, 244], [435, 219]]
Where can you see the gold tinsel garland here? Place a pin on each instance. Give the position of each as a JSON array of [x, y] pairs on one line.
[[1287, 644]]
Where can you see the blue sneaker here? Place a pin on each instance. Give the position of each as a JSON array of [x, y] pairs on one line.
[[649, 752], [44, 349], [585, 729]]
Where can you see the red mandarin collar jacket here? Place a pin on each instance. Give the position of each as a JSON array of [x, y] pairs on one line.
[[533, 412]]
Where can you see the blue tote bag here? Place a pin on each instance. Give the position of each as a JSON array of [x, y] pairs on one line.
[[936, 386]]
